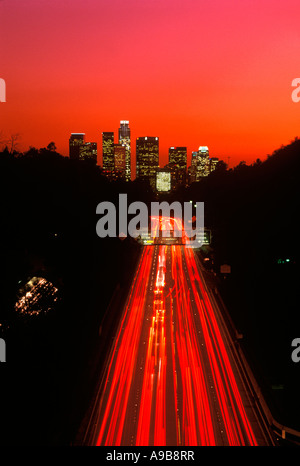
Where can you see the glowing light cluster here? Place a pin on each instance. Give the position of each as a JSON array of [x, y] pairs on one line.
[[37, 297]]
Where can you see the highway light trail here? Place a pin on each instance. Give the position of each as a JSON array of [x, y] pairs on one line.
[[123, 358], [154, 384], [196, 422], [170, 379], [238, 428]]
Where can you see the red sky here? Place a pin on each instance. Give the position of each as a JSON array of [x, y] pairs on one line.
[[193, 72]]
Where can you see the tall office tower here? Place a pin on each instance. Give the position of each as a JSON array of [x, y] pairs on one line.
[[75, 142], [203, 162], [147, 158], [178, 156], [193, 168], [108, 152], [213, 162], [178, 159], [200, 165], [120, 161], [124, 138], [88, 151]]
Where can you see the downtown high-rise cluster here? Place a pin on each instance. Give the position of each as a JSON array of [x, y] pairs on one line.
[[116, 159]]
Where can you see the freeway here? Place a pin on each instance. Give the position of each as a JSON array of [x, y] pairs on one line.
[[172, 378]]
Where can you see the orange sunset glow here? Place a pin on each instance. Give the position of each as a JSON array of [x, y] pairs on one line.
[[192, 72]]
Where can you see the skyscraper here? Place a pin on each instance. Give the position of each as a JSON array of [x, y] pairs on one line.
[[147, 158], [178, 156], [124, 138], [213, 162], [178, 162], [88, 151], [75, 142], [193, 170], [201, 164], [120, 161], [108, 152], [81, 150], [203, 168]]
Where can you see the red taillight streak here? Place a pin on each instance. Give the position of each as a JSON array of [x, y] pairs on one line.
[[124, 356], [212, 334], [155, 370], [175, 386], [195, 398]]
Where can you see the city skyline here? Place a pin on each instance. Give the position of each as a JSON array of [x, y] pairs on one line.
[[115, 158], [217, 73]]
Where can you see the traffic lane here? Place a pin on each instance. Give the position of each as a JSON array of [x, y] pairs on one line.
[[234, 418], [151, 428], [145, 419], [122, 367], [196, 411], [136, 427]]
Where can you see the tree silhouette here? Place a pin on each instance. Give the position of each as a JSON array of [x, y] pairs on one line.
[[51, 146], [13, 142]]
